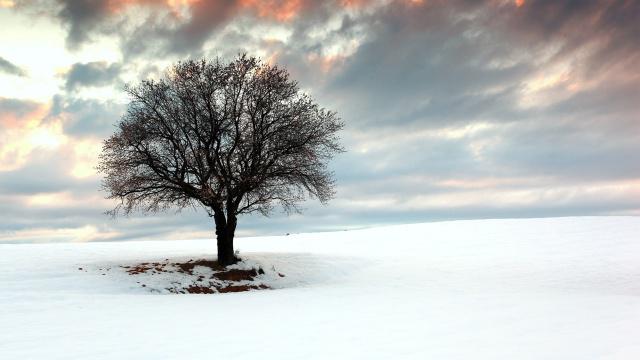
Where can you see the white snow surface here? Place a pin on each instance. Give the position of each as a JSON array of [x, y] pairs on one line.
[[557, 288]]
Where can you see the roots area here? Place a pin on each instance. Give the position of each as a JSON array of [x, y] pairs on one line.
[[198, 277]]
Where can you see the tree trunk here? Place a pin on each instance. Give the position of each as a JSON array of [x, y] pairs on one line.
[[225, 231]]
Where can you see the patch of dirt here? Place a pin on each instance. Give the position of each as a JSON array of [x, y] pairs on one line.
[[189, 265], [222, 280], [238, 275], [238, 288], [194, 289]]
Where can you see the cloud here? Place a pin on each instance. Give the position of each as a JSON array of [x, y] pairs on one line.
[[16, 112], [87, 18], [9, 68], [173, 26], [85, 117], [98, 73], [22, 132]]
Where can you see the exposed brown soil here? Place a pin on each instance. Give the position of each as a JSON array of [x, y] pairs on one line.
[[193, 289], [238, 288], [237, 275], [189, 265]]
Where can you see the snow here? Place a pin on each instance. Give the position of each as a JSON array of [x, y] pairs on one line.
[[559, 288]]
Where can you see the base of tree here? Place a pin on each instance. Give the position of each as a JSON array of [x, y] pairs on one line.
[[231, 260], [199, 277]]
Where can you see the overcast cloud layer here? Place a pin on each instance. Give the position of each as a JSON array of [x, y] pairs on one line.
[[454, 109]]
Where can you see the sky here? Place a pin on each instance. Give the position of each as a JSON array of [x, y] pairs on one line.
[[453, 109]]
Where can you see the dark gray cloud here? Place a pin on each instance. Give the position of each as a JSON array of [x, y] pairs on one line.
[[82, 18], [436, 76], [163, 34], [10, 68], [98, 73]]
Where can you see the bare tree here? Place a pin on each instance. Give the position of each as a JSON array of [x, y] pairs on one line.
[[233, 137]]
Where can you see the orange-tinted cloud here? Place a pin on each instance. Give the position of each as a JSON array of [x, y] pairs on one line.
[[326, 63], [22, 130], [414, 2], [355, 3], [273, 9], [19, 113], [115, 6], [280, 10]]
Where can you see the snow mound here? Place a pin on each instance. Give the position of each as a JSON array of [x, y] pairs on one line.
[[200, 276]]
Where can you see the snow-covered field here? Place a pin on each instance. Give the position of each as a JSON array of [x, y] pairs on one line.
[[561, 288]]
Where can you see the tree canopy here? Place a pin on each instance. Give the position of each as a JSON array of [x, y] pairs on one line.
[[233, 137]]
